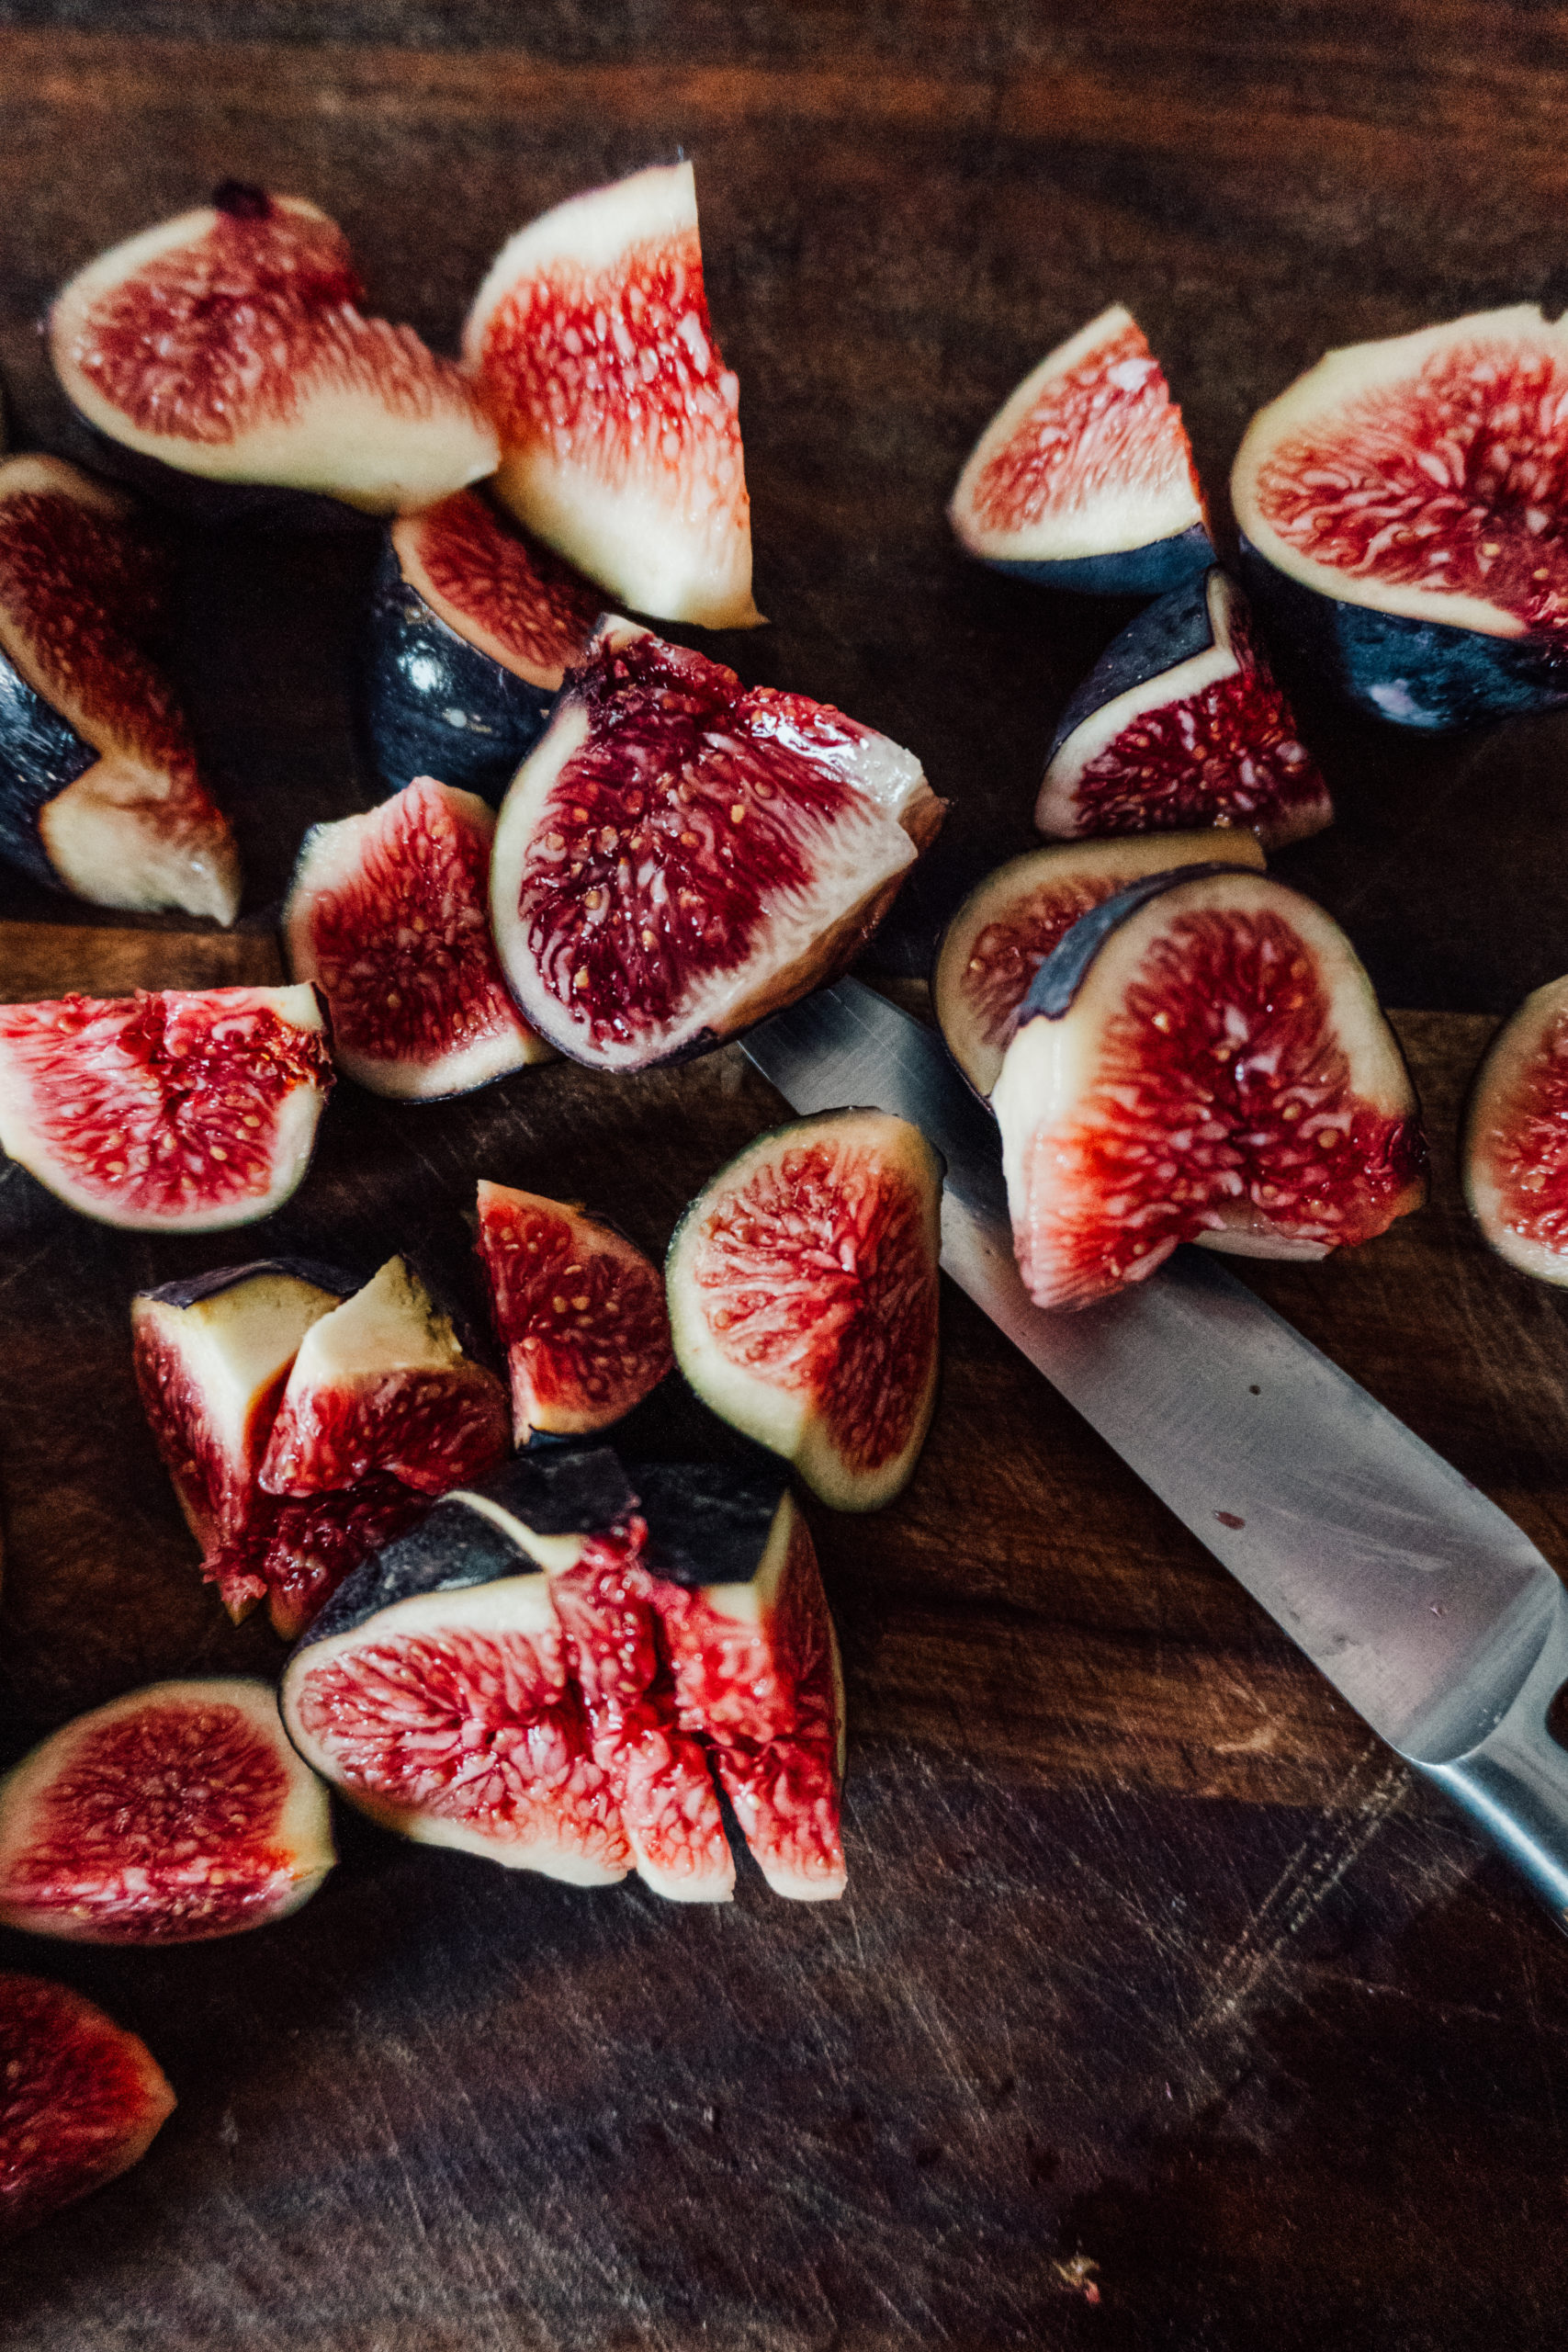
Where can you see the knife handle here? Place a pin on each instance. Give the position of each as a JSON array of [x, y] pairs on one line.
[[1514, 1784]]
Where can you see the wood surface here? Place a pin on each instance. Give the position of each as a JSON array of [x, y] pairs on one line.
[[1164, 2009]]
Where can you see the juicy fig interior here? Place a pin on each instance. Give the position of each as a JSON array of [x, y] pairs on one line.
[[503, 592], [83, 2099], [1516, 1138]]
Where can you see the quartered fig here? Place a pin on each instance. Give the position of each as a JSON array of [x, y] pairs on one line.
[[175, 1815], [802, 1284], [1010, 921], [1201, 1058], [1084, 478], [472, 626], [619, 422], [194, 1109], [1402, 512], [81, 2099], [682, 854], [99, 793], [578, 1308], [1181, 723], [385, 914], [228, 344], [1514, 1150]]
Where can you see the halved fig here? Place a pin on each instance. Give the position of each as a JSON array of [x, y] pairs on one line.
[[385, 914], [1515, 1148], [1010, 921], [1180, 723], [81, 2099], [228, 344], [1084, 478], [175, 1815], [296, 1554], [99, 793], [619, 422], [384, 1383], [578, 1308], [1404, 512], [472, 626], [682, 854], [1201, 1058], [802, 1284], [194, 1109]]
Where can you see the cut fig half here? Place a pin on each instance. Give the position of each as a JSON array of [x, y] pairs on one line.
[[189, 1109], [228, 344], [1515, 1148], [578, 1308], [682, 854], [472, 626], [384, 1383], [1404, 518], [81, 2099], [175, 1815], [802, 1284], [1201, 1058], [1008, 924], [385, 914], [1084, 478], [619, 422], [1181, 723], [99, 793]]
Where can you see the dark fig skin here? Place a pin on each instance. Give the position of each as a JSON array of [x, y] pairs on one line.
[[192, 1288], [40, 754], [1151, 570]]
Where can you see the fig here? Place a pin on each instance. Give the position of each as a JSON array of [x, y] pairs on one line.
[[578, 1310], [1084, 478], [1200, 1058], [1181, 723], [383, 1382], [1515, 1145], [1010, 921], [99, 793], [385, 914], [81, 2099], [187, 1108], [228, 344], [298, 1554], [173, 1814], [681, 854], [619, 422], [802, 1284], [471, 628], [1402, 516]]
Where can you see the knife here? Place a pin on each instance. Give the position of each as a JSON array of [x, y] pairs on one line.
[[1421, 1601]]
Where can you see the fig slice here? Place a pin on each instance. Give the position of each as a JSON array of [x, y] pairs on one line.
[[1404, 507], [1084, 478], [81, 2099], [175, 1815], [1181, 723], [187, 1108], [1201, 1058], [802, 1284], [1010, 921], [472, 626], [1515, 1145], [578, 1308], [682, 855], [619, 422], [384, 1383], [100, 792], [385, 914], [228, 344]]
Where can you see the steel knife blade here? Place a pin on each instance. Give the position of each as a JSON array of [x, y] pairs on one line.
[[1423, 1603]]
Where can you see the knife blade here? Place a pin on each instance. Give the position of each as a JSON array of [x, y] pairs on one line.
[[1426, 1607]]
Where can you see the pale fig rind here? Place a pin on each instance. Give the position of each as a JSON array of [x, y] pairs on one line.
[[1511, 1151]]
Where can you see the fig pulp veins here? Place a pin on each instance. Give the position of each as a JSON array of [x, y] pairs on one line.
[[81, 2099]]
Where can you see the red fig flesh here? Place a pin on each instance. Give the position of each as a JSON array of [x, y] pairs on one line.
[[682, 855], [81, 2099], [619, 422], [1515, 1137], [386, 914], [497, 588], [192, 1109], [175, 1814]]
